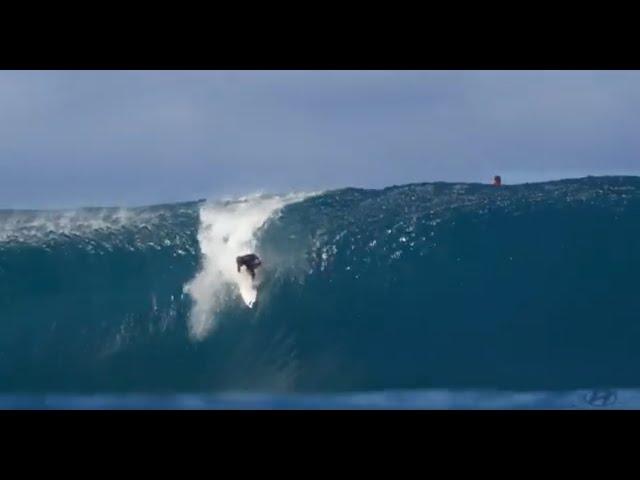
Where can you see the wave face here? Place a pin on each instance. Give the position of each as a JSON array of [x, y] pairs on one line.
[[425, 286]]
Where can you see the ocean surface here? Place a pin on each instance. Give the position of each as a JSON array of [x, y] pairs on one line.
[[434, 295]]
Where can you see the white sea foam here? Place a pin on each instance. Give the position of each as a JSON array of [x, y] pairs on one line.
[[227, 230], [28, 226]]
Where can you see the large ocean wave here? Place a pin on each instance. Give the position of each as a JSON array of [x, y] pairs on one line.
[[425, 286]]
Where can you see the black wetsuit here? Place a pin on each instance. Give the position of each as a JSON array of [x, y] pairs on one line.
[[250, 261]]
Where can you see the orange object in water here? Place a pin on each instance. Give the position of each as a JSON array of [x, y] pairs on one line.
[[497, 181]]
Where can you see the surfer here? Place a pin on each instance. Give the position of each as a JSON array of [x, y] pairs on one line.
[[251, 261], [497, 181]]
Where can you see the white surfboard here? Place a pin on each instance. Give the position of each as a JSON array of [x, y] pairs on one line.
[[248, 290]]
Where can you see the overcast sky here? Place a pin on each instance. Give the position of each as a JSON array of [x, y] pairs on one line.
[[75, 138]]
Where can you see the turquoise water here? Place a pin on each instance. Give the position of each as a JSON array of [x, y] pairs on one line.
[[419, 289], [381, 400]]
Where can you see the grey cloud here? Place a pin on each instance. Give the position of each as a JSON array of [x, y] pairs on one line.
[[74, 138]]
